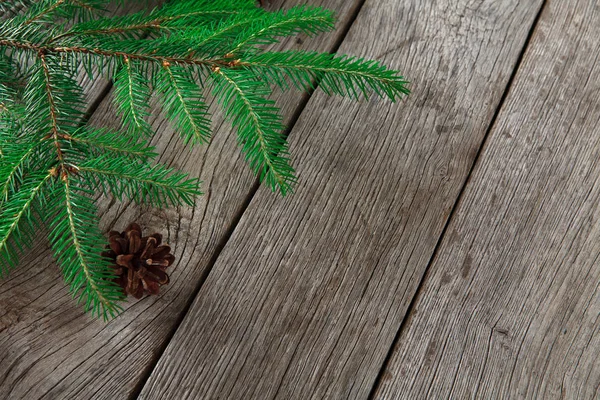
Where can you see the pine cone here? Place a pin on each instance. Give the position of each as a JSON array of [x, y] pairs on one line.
[[140, 262]]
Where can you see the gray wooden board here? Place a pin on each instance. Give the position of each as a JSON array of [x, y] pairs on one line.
[[308, 294], [511, 304], [49, 348]]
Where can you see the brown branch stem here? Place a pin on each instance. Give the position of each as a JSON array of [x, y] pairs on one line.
[[40, 49]]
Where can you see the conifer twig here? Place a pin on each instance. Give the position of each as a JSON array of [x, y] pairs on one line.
[[53, 163]]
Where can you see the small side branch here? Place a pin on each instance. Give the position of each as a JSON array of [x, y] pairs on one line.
[[54, 134]]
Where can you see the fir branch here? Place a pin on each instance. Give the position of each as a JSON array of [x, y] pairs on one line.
[[132, 96], [15, 29], [113, 54], [9, 9], [52, 162], [259, 28], [7, 98], [338, 75], [17, 159], [225, 31], [45, 10], [54, 103], [172, 16], [260, 130], [52, 111], [10, 81], [11, 94], [77, 243], [11, 127], [96, 142], [17, 225], [183, 101], [138, 181], [183, 7], [301, 19]]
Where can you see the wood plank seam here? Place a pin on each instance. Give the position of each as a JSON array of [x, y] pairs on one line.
[[410, 310], [291, 319], [56, 382], [251, 193], [533, 319]]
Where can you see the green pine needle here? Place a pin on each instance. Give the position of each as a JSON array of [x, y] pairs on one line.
[[122, 178], [53, 164]]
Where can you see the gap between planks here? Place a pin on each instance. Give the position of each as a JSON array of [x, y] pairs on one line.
[[510, 307], [192, 381], [68, 371], [411, 306], [238, 216]]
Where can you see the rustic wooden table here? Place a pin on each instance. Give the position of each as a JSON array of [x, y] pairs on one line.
[[443, 247]]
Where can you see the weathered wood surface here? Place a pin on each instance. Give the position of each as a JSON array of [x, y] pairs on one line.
[[49, 348], [306, 298], [510, 307]]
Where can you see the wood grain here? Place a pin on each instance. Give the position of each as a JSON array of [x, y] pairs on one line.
[[305, 300], [50, 349], [510, 307]]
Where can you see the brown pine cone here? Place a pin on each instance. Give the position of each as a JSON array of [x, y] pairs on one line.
[[139, 262]]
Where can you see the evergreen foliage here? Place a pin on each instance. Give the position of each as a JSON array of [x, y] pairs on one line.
[[52, 163]]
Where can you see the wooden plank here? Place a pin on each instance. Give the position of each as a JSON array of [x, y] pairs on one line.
[[48, 348], [306, 297], [510, 306]]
